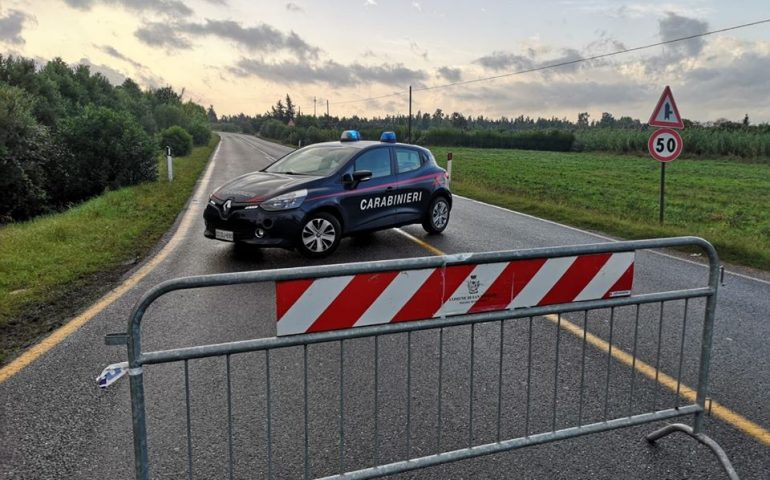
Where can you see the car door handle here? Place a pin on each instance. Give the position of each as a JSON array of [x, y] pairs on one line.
[[389, 188]]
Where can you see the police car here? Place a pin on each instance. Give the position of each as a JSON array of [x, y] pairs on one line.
[[314, 196]]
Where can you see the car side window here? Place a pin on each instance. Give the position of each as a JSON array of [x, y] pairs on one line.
[[377, 161], [407, 160]]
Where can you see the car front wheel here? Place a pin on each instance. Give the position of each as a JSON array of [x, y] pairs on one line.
[[438, 216], [320, 235]]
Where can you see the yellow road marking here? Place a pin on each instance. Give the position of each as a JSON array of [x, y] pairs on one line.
[[419, 242], [73, 325], [718, 410]]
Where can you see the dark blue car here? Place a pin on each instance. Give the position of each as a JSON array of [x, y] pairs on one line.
[[314, 196]]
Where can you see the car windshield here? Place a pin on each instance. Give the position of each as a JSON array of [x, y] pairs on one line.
[[320, 160]]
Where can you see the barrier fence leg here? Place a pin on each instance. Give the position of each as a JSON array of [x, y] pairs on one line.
[[141, 464], [702, 438]]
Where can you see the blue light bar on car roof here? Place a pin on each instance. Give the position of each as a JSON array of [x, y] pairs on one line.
[[389, 137], [350, 136]]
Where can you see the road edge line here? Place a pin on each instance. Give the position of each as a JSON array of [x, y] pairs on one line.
[[604, 237], [60, 334]]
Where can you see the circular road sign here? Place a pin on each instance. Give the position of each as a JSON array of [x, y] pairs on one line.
[[665, 144]]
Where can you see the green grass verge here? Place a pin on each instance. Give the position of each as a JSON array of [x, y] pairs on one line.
[[54, 257], [725, 202]]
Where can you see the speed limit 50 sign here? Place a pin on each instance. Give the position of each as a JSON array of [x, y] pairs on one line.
[[665, 144]]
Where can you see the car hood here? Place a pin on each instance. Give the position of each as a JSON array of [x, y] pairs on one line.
[[258, 186]]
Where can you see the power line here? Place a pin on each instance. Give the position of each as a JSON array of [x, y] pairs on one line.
[[560, 64], [368, 99]]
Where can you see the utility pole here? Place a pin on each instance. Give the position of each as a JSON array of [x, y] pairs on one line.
[[314, 107], [327, 107], [409, 127]]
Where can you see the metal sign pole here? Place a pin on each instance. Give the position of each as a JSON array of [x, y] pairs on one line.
[[662, 189], [409, 129]]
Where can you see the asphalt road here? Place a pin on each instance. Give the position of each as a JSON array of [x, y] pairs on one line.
[[57, 424]]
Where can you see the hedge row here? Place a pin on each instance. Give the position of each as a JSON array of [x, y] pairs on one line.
[[67, 135], [553, 140]]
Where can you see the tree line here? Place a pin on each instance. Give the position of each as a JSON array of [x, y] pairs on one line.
[[67, 134], [284, 122]]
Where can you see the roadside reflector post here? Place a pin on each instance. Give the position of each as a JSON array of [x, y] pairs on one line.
[[169, 163], [448, 168]]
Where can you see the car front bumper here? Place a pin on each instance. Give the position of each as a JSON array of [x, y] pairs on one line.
[[279, 229]]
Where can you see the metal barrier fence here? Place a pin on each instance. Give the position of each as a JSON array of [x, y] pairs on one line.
[[517, 357]]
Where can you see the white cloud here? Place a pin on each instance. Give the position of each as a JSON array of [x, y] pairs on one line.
[[12, 25], [293, 7]]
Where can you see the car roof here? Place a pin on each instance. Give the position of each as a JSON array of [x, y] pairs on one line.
[[361, 144]]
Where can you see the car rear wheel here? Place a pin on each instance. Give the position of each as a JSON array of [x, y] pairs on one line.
[[438, 216], [320, 235]]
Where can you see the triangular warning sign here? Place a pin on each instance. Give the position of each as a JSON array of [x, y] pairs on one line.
[[666, 114]]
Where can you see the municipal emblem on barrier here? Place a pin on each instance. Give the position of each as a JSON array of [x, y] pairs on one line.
[[473, 285]]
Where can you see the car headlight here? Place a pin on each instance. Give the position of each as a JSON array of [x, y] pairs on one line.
[[285, 202]]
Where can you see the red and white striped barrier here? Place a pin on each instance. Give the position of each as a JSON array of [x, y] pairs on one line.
[[333, 303]]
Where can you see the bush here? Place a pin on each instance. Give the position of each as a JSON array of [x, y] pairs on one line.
[[111, 150], [200, 133], [166, 116], [178, 139], [275, 130]]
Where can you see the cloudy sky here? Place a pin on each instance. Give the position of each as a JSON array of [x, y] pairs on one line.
[[242, 55]]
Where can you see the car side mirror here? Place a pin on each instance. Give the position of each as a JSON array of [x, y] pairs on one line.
[[357, 177]]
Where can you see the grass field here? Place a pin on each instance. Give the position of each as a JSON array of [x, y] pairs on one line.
[[62, 258], [726, 202]]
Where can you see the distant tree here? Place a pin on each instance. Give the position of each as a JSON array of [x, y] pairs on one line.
[[211, 114], [582, 121], [166, 95], [278, 111], [726, 124], [607, 120], [290, 109], [746, 120], [425, 120], [131, 88], [438, 117], [457, 120]]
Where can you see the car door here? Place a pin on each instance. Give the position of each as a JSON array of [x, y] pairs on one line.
[[414, 184], [371, 204]]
